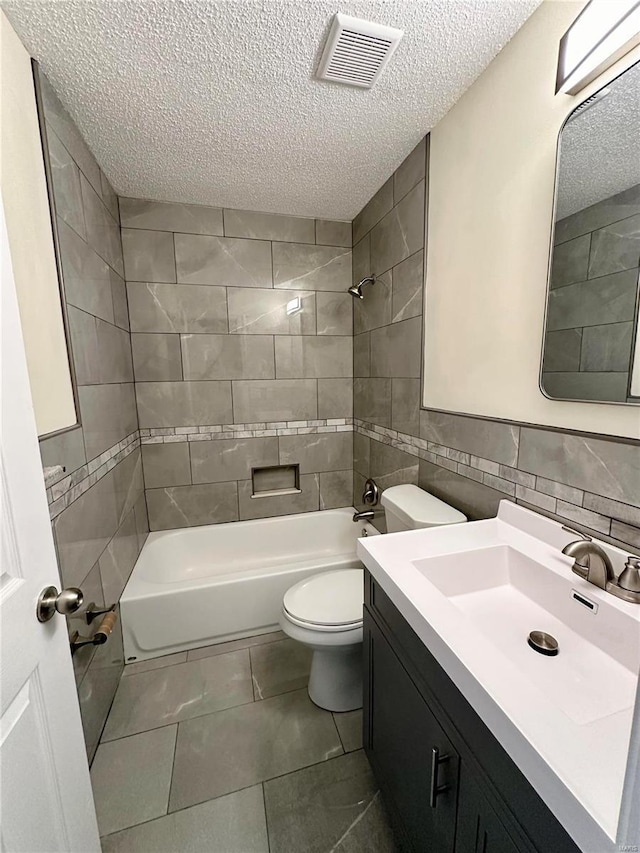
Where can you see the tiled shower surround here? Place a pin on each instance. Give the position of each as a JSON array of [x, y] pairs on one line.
[[241, 332], [587, 481], [593, 299]]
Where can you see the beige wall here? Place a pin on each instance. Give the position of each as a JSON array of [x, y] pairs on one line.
[[28, 223], [492, 171]]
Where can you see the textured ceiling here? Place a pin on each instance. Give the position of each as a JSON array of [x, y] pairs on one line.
[[600, 148], [214, 101]]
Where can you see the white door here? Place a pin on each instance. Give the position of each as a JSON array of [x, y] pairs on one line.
[[45, 798]]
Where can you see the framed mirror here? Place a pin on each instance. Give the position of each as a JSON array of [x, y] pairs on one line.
[[591, 347]]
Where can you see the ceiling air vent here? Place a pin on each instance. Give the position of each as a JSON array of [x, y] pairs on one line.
[[357, 51]]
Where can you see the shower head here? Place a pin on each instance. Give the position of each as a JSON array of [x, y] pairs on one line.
[[356, 289]]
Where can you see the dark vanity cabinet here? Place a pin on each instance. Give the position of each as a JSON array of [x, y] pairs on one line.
[[448, 784]]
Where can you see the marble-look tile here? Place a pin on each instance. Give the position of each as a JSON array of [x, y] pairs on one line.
[[91, 588], [408, 280], [396, 350], [279, 668], [68, 133], [332, 806], [157, 358], [67, 192], [474, 499], [103, 232], [177, 308], [154, 663], [361, 453], [307, 500], [362, 355], [584, 517], [233, 749], [349, 725], [65, 449], [119, 297], [163, 404], [192, 506], [167, 464], [101, 351], [615, 509], [392, 467], [142, 520], [610, 299], [109, 197], [559, 490], [562, 350], [373, 211], [170, 216], [410, 172], [128, 483], [231, 459], [268, 226], [586, 386], [299, 266], [336, 489], [131, 779], [234, 645], [234, 823], [114, 350], [489, 439], [148, 255], [400, 233], [372, 400], [87, 277], [405, 405], [98, 687], [375, 309], [108, 415], [327, 451], [615, 248], [626, 533], [570, 261], [612, 209], [330, 232], [335, 398], [84, 346], [335, 313], [271, 312], [607, 468], [309, 357], [607, 347], [118, 559], [228, 356], [361, 259], [257, 401], [169, 695], [223, 261]]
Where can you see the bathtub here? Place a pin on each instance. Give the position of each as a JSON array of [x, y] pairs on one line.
[[203, 585]]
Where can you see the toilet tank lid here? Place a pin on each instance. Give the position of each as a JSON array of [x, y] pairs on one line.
[[418, 508]]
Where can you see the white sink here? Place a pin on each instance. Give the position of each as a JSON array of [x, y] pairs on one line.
[[473, 592]]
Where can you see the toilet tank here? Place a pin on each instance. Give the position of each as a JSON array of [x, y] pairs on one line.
[[410, 508]]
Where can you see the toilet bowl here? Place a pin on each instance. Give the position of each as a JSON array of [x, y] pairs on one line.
[[325, 611]]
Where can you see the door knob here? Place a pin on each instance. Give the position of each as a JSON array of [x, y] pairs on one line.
[[51, 602]]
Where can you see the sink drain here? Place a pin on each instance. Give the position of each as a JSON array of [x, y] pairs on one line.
[[544, 643]]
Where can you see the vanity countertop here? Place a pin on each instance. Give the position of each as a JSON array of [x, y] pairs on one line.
[[472, 593]]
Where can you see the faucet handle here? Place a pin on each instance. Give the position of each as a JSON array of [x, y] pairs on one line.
[[577, 533], [630, 576]]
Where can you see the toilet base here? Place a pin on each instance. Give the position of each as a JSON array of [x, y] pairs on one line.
[[335, 682]]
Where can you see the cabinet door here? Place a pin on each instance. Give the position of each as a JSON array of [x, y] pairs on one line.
[[413, 760], [479, 829]]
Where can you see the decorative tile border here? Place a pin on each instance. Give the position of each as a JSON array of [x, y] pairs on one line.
[[170, 435], [565, 501], [63, 493]]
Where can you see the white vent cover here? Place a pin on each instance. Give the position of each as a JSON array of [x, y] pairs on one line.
[[357, 51]]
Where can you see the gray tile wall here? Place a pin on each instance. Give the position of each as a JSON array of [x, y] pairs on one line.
[[588, 481], [593, 300], [238, 319], [97, 506]]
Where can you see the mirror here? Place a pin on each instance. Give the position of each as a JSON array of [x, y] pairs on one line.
[[591, 340]]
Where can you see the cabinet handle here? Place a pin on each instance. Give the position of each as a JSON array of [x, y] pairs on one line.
[[436, 761]]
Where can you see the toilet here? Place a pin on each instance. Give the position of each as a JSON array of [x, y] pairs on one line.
[[324, 611]]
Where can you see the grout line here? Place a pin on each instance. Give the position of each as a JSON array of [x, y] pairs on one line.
[[266, 816]]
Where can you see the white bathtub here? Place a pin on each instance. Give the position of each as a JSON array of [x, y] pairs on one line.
[[202, 585]]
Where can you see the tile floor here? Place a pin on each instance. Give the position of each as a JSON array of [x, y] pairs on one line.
[[220, 750]]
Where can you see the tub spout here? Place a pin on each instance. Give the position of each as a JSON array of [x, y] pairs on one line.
[[365, 515]]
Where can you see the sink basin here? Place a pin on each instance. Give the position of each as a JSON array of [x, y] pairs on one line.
[[506, 595]]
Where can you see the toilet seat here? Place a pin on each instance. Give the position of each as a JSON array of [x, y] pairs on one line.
[[331, 601]]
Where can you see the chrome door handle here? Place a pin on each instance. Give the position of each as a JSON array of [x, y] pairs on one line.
[[50, 602], [436, 761]]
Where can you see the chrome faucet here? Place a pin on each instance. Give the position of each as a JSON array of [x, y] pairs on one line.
[[591, 562], [365, 515]]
